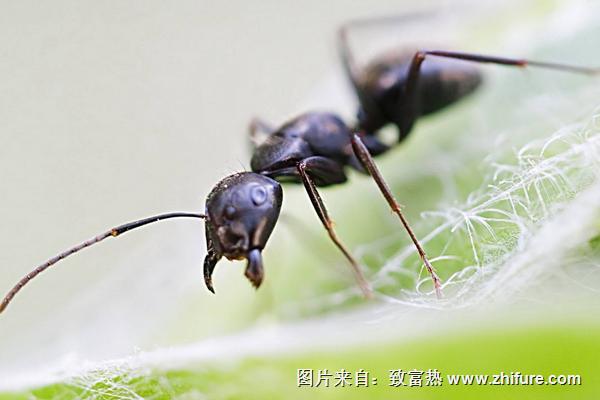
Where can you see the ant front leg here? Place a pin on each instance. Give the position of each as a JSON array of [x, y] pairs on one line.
[[258, 129], [366, 160], [329, 172]]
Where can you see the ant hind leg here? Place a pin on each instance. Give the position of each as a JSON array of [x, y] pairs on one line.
[[410, 112]]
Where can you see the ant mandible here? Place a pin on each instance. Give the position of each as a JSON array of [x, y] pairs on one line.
[[315, 148]]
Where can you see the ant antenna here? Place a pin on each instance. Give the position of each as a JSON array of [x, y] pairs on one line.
[[114, 232]]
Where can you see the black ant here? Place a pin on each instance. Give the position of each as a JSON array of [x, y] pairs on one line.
[[315, 148]]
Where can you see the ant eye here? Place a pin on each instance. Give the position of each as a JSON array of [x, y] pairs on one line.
[[230, 212], [258, 194]]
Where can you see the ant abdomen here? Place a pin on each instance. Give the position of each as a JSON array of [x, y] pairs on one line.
[[384, 82]]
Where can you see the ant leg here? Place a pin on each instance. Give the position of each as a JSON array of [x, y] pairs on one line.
[[410, 95], [352, 72], [258, 130], [349, 63], [319, 165], [366, 160]]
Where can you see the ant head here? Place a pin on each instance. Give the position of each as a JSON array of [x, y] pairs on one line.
[[242, 210]]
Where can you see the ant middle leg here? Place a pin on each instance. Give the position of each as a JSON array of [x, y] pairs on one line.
[[326, 167], [366, 160]]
